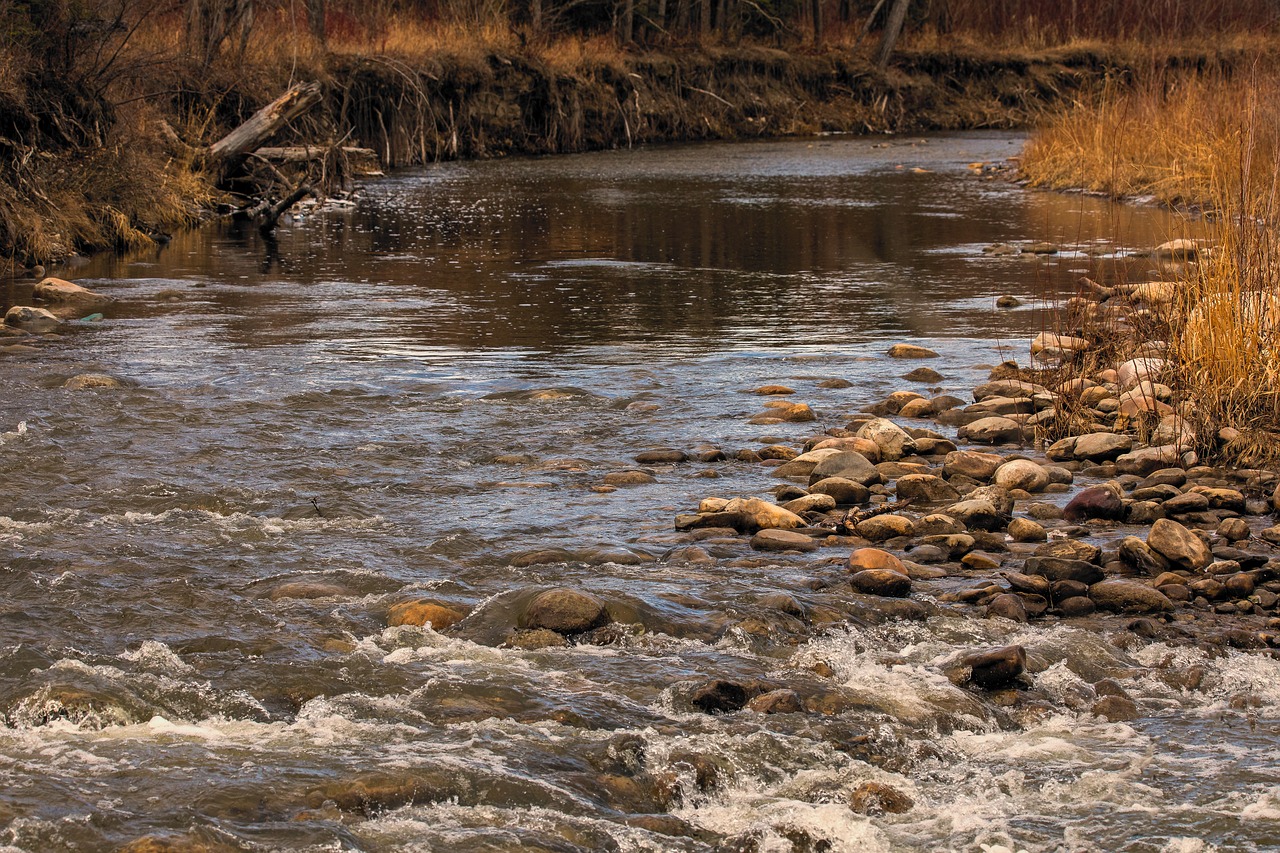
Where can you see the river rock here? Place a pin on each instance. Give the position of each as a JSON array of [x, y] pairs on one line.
[[865, 446], [783, 540], [1008, 388], [31, 319], [422, 613], [1147, 460], [1007, 606], [843, 491], [894, 442], [920, 408], [754, 514], [566, 611], [996, 668], [925, 488], [874, 798], [1178, 545], [378, 791], [1050, 345], [1138, 370], [878, 528], [1026, 530], [70, 300], [910, 351], [1031, 584], [629, 478], [84, 381], [1135, 552], [793, 413], [972, 464], [924, 374], [1234, 529], [875, 558], [846, 464], [661, 456], [993, 430], [881, 582], [1101, 502], [1101, 446], [1022, 474], [977, 514], [533, 639], [810, 503], [719, 697], [803, 465], [1185, 503], [1126, 596], [1001, 406], [773, 390], [1181, 249], [780, 701], [1063, 568]]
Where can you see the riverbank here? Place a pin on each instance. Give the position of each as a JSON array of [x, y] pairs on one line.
[[144, 174]]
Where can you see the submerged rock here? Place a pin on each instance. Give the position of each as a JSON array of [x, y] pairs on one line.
[[911, 351], [70, 300], [422, 613], [719, 697]]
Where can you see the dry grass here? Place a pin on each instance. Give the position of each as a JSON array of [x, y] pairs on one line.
[[1212, 143]]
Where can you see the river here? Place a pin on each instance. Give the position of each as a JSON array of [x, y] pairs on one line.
[[421, 396]]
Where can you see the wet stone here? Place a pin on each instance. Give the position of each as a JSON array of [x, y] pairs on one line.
[[873, 798], [995, 668], [565, 611], [881, 582], [422, 613], [783, 540], [924, 374], [1007, 606], [776, 702], [719, 697], [534, 639]]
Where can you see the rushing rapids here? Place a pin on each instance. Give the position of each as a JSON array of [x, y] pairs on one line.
[[431, 407]]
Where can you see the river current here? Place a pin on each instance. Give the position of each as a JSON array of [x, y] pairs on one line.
[[421, 395]]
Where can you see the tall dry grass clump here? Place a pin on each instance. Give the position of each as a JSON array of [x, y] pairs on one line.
[[1207, 144]]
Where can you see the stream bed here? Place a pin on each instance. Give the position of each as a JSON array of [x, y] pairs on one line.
[[422, 396]]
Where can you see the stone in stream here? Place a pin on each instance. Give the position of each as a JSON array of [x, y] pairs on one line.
[[1022, 474], [629, 478], [972, 464], [1178, 545], [1100, 502], [894, 442], [925, 488], [992, 430], [661, 456], [844, 491], [84, 381], [874, 798], [1063, 569], [882, 582], [785, 413], [1101, 446], [910, 351], [1026, 530], [810, 503], [1137, 554], [875, 558], [977, 514], [773, 390], [719, 697], [846, 464], [924, 374], [534, 639], [995, 668], [878, 528], [70, 300], [31, 319], [1077, 605], [783, 540], [566, 611], [1007, 606], [1126, 596], [1050, 345], [422, 613], [378, 791], [780, 701]]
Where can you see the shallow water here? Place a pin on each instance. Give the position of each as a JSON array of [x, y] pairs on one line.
[[412, 397]]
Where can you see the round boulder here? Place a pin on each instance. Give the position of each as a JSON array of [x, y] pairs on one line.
[[1022, 474], [882, 582], [566, 611]]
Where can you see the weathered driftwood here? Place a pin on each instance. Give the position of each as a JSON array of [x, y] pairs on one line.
[[363, 161], [230, 150]]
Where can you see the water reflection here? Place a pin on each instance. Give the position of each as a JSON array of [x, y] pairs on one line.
[[763, 244]]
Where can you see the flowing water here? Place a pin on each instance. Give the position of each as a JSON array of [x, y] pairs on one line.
[[420, 397]]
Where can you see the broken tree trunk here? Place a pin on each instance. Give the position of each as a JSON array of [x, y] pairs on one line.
[[892, 27], [229, 151]]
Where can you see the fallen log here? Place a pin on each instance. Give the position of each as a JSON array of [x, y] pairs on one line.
[[363, 161], [229, 151]]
